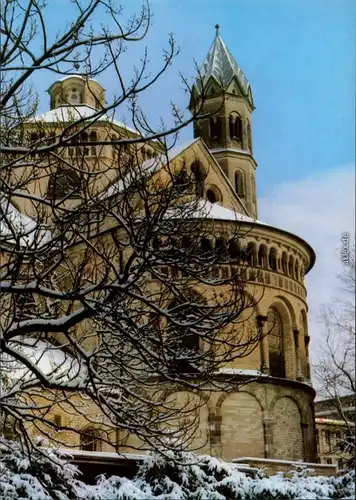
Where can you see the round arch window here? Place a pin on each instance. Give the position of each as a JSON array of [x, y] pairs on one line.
[[212, 195]]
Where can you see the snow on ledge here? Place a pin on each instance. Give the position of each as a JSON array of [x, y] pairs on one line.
[[330, 421], [277, 461], [111, 455], [241, 371], [233, 150]]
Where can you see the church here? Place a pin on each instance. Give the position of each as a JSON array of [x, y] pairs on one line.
[[271, 416]]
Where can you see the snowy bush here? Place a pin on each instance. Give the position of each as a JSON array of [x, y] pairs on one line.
[[37, 474], [169, 476], [179, 476]]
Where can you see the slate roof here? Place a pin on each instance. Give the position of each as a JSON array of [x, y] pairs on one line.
[[221, 66]]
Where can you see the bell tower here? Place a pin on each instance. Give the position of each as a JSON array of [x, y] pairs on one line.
[[223, 94]]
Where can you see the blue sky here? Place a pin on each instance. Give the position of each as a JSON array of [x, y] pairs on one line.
[[299, 56]]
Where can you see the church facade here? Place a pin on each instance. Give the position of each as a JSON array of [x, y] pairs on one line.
[[272, 416]]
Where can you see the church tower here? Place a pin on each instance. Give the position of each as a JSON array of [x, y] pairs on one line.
[[222, 92]]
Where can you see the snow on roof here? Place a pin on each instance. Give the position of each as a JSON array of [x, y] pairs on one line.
[[205, 209], [148, 167], [234, 150], [67, 77], [15, 226], [68, 113], [173, 152]]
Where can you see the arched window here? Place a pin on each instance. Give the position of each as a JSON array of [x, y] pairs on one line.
[[199, 176], [235, 126], [93, 138], [212, 195], [296, 270], [75, 97], [206, 246], [186, 243], [234, 250], [290, 266], [262, 256], [240, 183], [251, 254], [64, 182], [284, 263], [181, 181], [90, 440], [184, 316], [275, 343], [272, 259], [215, 127], [221, 248], [33, 136]]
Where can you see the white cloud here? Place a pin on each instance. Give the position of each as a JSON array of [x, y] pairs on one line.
[[319, 209]]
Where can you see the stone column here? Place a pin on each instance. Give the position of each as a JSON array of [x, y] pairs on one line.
[[263, 344], [268, 434], [307, 340], [308, 455], [299, 375], [244, 140], [224, 130], [214, 422], [229, 143]]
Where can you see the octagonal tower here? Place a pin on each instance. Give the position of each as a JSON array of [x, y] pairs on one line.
[[223, 90]]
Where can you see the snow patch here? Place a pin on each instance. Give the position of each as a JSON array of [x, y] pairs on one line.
[[16, 227], [70, 113]]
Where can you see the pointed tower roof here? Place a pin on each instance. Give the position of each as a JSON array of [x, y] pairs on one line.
[[221, 66]]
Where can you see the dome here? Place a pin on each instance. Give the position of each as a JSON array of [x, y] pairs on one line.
[[75, 90]]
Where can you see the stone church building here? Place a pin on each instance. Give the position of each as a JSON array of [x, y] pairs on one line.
[[271, 417]]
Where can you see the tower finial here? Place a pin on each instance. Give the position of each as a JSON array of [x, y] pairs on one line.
[[217, 27]]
